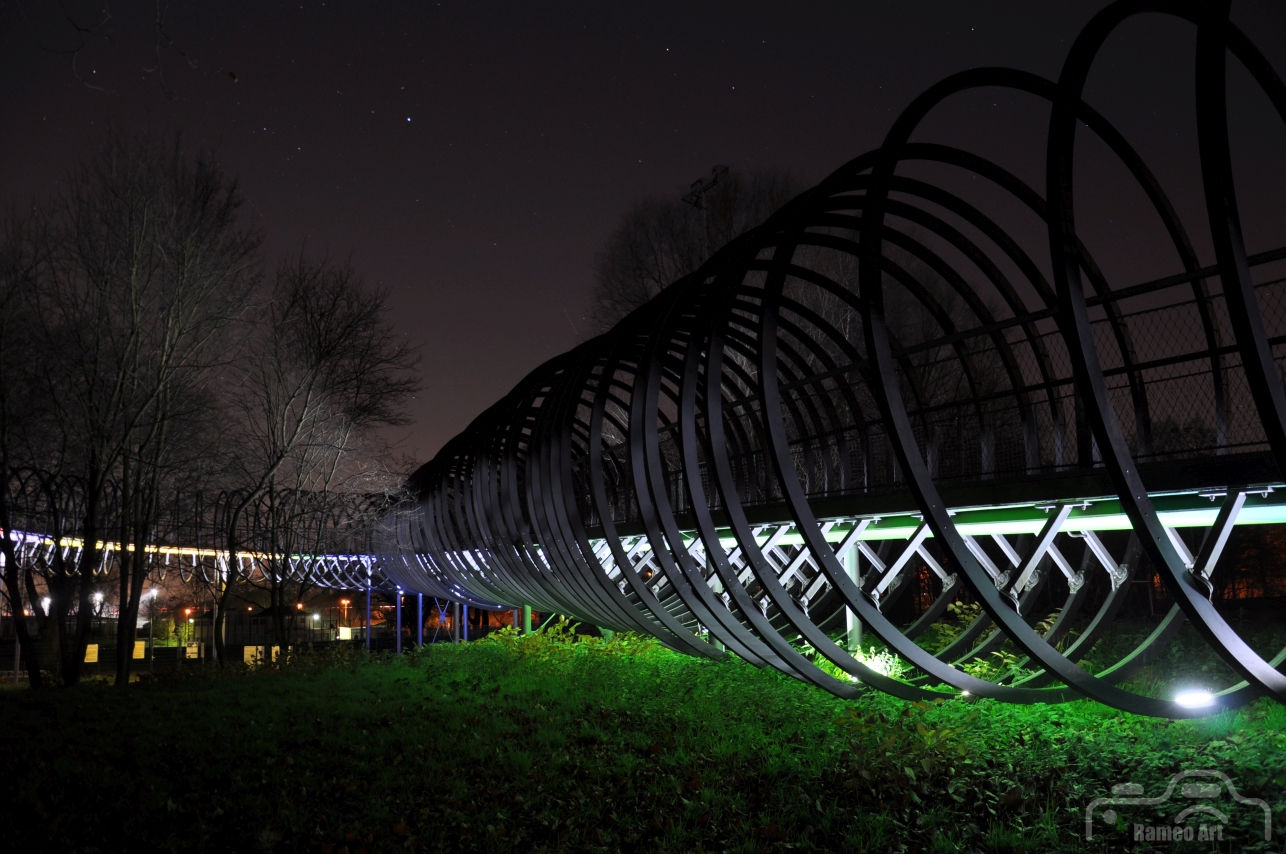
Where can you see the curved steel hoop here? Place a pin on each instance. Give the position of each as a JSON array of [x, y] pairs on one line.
[[882, 377]]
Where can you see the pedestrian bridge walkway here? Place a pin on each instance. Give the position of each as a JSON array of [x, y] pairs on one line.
[[925, 369]]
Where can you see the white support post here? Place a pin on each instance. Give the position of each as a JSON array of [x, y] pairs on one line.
[[854, 625]]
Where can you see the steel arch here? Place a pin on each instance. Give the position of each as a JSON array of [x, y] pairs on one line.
[[715, 469]]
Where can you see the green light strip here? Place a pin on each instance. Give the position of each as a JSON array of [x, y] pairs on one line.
[[1266, 506]]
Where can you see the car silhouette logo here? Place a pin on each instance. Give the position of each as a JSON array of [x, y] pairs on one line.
[[1206, 786]]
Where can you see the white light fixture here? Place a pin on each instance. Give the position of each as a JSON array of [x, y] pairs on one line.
[[1195, 699], [316, 616], [44, 603]]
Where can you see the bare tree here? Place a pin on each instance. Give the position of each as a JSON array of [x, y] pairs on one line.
[[325, 371], [663, 238], [19, 263], [151, 380], [144, 268]]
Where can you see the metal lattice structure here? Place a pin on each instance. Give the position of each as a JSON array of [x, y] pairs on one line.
[[319, 540], [882, 376]]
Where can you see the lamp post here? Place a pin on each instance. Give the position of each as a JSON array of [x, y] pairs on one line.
[[151, 628], [185, 635]]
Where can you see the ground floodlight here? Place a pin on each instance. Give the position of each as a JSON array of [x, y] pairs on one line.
[[1195, 699]]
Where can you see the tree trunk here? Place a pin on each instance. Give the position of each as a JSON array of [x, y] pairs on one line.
[[14, 574], [74, 652], [131, 599], [13, 582], [80, 584], [52, 632], [73, 647], [221, 617], [216, 638]]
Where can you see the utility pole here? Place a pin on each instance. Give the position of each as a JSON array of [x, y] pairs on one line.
[[696, 198]]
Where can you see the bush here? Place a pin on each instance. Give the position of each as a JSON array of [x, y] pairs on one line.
[[559, 641]]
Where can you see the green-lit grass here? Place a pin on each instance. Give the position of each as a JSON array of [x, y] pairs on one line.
[[544, 745]]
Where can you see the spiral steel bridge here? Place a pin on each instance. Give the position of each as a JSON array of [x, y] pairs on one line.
[[881, 384], [883, 377], [317, 539]]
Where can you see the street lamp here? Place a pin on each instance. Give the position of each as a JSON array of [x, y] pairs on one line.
[[151, 627], [344, 604], [98, 607]]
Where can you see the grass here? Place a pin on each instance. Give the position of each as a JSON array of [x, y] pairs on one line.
[[542, 744]]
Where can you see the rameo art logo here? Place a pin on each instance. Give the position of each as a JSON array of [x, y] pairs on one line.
[[1205, 799]]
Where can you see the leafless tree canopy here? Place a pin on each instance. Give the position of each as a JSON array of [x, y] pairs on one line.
[[662, 238], [144, 355], [327, 368]]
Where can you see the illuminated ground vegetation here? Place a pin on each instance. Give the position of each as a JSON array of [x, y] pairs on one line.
[[547, 745]]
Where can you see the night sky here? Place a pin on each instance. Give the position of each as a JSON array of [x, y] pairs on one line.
[[473, 157]]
